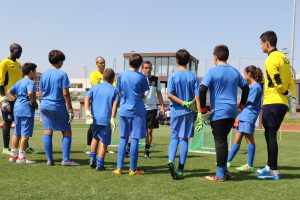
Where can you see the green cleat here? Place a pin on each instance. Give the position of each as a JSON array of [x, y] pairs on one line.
[[245, 168], [178, 175]]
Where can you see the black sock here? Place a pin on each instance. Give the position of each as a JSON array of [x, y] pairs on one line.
[[147, 147], [181, 167]]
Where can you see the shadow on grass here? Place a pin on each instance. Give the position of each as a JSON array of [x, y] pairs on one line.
[[189, 156], [58, 152]]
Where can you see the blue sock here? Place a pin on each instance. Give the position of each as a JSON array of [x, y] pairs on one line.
[[93, 156], [234, 149], [134, 153], [220, 172], [121, 152], [251, 153], [173, 149], [48, 146], [100, 162], [66, 147], [183, 152]]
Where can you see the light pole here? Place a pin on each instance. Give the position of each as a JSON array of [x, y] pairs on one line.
[[293, 35]]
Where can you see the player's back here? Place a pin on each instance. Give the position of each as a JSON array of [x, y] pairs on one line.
[[102, 95], [132, 85], [184, 85], [52, 83]]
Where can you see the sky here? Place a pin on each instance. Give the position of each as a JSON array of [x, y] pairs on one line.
[[84, 30]]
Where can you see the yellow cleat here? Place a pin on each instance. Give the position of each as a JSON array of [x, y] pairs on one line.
[[136, 172], [118, 171]]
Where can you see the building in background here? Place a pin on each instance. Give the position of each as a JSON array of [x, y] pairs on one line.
[[163, 64]]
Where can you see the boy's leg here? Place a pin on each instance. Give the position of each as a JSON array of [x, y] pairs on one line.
[[14, 151], [121, 152], [93, 152], [89, 138], [173, 149], [66, 149], [101, 156], [134, 153], [235, 147], [148, 142], [48, 146], [183, 153]]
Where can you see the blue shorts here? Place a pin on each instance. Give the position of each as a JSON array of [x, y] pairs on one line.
[[245, 127], [133, 127], [103, 133], [55, 120], [24, 126], [183, 126]]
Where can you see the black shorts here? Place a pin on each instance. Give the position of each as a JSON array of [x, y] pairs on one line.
[[152, 119], [273, 115]]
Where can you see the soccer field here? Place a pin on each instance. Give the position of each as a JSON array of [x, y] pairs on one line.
[[39, 181]]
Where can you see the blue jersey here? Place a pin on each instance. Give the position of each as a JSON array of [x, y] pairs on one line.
[[184, 85], [52, 83], [22, 106], [102, 96], [132, 85], [252, 109], [223, 82]]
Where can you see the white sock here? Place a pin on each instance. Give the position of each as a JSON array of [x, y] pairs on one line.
[[22, 154], [274, 172], [14, 152], [267, 167]]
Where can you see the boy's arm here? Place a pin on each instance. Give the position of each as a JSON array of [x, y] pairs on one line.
[[274, 75], [10, 95], [114, 109], [67, 98], [3, 70], [31, 96], [161, 101], [175, 99], [87, 103], [292, 87], [202, 97]]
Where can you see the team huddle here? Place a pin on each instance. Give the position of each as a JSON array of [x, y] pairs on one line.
[[133, 97]]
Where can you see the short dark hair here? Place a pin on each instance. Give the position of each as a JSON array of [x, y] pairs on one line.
[[15, 46], [222, 52], [269, 36], [183, 57], [147, 62], [28, 67], [109, 75], [55, 56], [135, 60]]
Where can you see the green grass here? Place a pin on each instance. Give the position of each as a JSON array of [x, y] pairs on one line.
[[42, 182]]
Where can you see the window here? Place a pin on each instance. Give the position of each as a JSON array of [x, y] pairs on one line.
[[164, 66], [157, 66], [172, 65]]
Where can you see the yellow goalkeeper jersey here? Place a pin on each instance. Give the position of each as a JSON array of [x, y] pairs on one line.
[[10, 73], [278, 79], [96, 77]]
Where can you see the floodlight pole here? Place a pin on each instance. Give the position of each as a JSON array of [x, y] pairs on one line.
[[293, 34]]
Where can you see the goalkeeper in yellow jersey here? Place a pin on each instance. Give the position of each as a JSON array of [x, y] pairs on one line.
[[279, 97]]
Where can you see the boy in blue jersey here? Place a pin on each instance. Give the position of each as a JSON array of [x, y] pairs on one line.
[[131, 86], [183, 87], [222, 81], [245, 122], [24, 94], [56, 107], [104, 103]]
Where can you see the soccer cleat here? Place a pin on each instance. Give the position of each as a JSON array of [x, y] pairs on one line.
[[172, 170], [100, 168], [228, 164], [214, 178], [24, 161], [147, 155], [267, 175], [118, 171], [50, 163], [178, 175], [6, 151], [30, 150], [136, 172], [263, 170], [228, 176], [92, 164], [244, 168], [69, 163], [13, 158]]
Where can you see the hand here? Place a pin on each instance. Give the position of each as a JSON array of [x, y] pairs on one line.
[[35, 105], [206, 117], [71, 115], [198, 125], [162, 110], [293, 108], [112, 124], [241, 106], [191, 105], [88, 117], [236, 123]]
